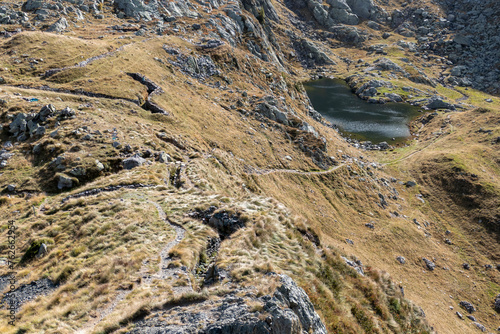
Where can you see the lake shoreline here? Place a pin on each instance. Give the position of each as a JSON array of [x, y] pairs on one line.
[[371, 126]]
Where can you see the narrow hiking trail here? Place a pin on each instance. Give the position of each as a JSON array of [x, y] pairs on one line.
[[435, 140], [259, 171], [164, 272]]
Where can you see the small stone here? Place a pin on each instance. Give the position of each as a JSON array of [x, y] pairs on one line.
[[127, 149], [55, 134], [349, 241], [401, 259], [11, 187], [480, 327], [460, 315], [99, 165], [116, 144], [164, 157], [430, 265], [466, 266], [468, 306], [67, 113], [40, 131], [64, 182], [37, 149], [59, 26], [410, 184], [471, 317], [42, 250], [88, 137], [78, 171], [447, 241]]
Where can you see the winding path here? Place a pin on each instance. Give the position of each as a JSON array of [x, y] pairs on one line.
[[164, 272], [259, 171], [85, 62]]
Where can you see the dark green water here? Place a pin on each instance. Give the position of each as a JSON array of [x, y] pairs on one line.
[[358, 118]]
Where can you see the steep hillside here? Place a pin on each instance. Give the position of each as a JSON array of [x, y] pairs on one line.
[[164, 171]]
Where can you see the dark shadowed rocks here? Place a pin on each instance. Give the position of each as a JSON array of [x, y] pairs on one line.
[[468, 306], [496, 305], [429, 264], [27, 292]]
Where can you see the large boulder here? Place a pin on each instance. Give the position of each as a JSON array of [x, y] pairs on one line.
[[468, 306], [32, 5], [340, 12], [133, 162], [19, 124], [272, 113], [437, 102], [64, 182], [138, 9], [362, 8], [59, 26]]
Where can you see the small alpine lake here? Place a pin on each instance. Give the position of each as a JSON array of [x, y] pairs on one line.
[[356, 118]]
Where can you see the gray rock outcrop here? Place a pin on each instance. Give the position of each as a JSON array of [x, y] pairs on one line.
[[437, 102], [25, 126], [59, 26], [133, 162], [288, 311]]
